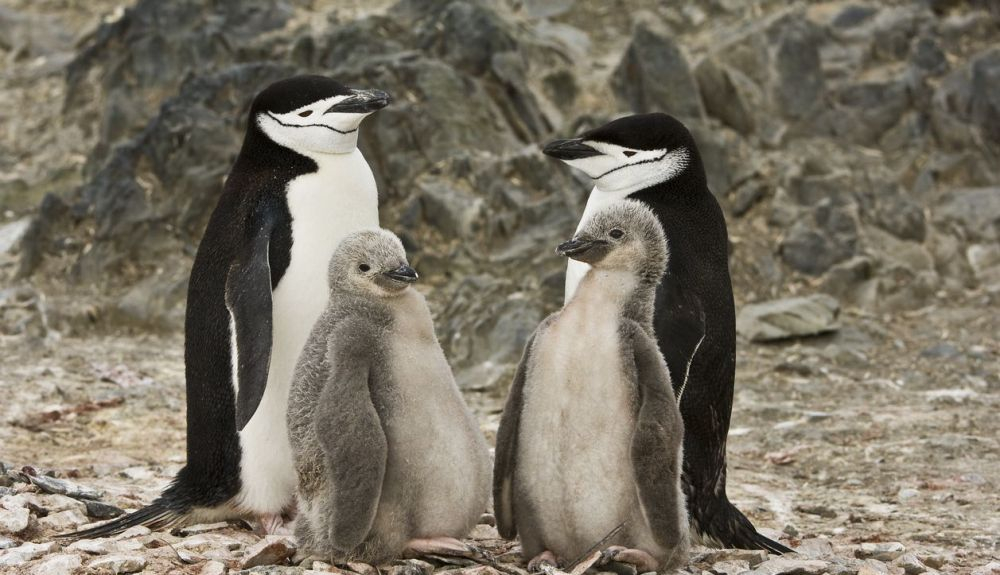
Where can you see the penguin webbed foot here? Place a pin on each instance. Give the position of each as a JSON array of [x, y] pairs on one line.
[[448, 547], [625, 561]]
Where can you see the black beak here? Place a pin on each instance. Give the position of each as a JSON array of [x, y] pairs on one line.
[[361, 102], [577, 247], [569, 150], [403, 273]]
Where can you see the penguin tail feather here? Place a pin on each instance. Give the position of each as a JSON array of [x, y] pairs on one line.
[[156, 516], [769, 545]]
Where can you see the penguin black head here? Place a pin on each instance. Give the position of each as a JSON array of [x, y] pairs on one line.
[[314, 114], [371, 262], [630, 153], [624, 236]]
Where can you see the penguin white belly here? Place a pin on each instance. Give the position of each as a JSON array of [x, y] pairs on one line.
[[574, 463], [440, 470], [325, 206], [597, 201]]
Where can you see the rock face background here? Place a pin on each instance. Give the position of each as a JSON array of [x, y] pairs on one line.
[[855, 147]]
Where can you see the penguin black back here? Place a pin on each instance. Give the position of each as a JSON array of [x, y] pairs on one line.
[[653, 158]]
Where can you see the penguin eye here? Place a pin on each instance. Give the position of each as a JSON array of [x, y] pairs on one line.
[[616, 233], [306, 114], [629, 153], [364, 267]]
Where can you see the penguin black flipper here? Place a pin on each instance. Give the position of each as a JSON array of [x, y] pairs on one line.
[[658, 427], [683, 333], [505, 458], [352, 433], [248, 298]]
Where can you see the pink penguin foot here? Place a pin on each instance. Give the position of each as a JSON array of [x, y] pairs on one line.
[[544, 559]]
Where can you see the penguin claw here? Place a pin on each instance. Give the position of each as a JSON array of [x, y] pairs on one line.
[[539, 562], [637, 558]]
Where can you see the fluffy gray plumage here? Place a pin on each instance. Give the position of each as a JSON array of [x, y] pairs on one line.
[[591, 435], [385, 448]]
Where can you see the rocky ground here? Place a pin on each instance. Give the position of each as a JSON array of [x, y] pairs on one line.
[[854, 145]]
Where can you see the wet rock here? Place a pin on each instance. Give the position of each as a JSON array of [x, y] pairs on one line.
[[13, 521], [785, 566], [271, 550], [654, 74], [880, 551], [786, 318], [64, 487], [101, 510], [26, 552], [117, 564], [62, 564]]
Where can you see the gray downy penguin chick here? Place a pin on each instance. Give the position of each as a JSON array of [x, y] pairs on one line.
[[389, 458], [591, 436]]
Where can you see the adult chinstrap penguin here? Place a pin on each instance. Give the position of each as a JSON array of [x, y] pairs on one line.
[[652, 158], [591, 436], [297, 188], [389, 458]]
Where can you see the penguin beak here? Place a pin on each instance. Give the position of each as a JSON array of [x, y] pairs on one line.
[[583, 249], [403, 273], [566, 150], [361, 102]]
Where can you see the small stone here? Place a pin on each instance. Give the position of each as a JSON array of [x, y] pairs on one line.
[[815, 548], [118, 564], [873, 567], [62, 564], [213, 568], [950, 396], [271, 550], [64, 487], [203, 528], [787, 318], [942, 350], [7, 543], [206, 541], [92, 546], [11, 234], [820, 510], [730, 567], [907, 493], [786, 566], [137, 531], [880, 551], [752, 557], [362, 568], [100, 510], [14, 521], [62, 521], [910, 564], [991, 568]]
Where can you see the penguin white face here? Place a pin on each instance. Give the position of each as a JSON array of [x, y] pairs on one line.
[[629, 154], [325, 126], [623, 236], [371, 262]]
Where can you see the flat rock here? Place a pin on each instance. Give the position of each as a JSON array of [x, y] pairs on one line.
[[26, 552], [117, 564], [63, 520], [271, 550], [950, 396], [14, 521], [203, 528], [787, 318], [880, 551], [62, 564], [991, 568], [911, 564], [730, 567]]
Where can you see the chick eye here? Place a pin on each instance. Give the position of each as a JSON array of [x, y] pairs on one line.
[[306, 114], [629, 153], [364, 267], [616, 233]]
